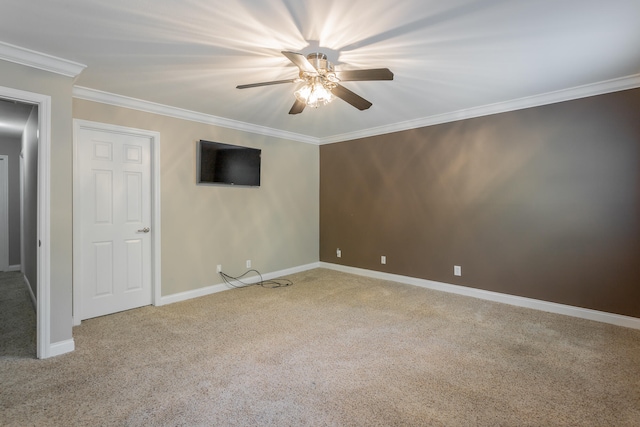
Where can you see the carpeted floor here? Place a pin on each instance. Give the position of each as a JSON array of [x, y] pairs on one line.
[[17, 319], [332, 350]]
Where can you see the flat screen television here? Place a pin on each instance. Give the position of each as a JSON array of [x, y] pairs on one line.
[[226, 164]]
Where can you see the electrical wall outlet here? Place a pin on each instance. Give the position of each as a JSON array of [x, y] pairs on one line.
[[248, 263], [219, 268], [338, 253], [383, 259], [457, 270]]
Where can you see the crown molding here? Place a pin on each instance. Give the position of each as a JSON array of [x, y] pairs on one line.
[[41, 61], [608, 86], [179, 113]]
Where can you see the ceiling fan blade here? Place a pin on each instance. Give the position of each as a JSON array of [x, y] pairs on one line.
[[352, 98], [275, 82], [297, 107], [372, 74], [300, 61]]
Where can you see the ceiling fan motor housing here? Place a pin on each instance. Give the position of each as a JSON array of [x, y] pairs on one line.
[[320, 62]]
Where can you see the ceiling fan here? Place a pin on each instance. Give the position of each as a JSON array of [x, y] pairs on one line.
[[321, 83]]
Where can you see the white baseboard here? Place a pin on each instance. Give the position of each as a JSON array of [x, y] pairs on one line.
[[13, 268], [61, 347], [212, 289], [31, 294], [551, 307], [195, 293]]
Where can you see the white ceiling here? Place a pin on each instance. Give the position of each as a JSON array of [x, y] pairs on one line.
[[447, 56]]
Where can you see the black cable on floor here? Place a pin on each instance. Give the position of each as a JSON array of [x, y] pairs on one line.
[[271, 284]]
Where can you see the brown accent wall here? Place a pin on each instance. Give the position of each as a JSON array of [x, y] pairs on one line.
[[542, 203]]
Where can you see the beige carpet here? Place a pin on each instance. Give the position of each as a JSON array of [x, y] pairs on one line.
[[332, 350], [17, 319]]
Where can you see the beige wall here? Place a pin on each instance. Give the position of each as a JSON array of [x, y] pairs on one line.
[[275, 225], [59, 88]]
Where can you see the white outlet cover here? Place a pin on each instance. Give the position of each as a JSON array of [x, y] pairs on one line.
[[457, 270]]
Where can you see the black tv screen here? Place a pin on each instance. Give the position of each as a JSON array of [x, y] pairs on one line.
[[227, 164]]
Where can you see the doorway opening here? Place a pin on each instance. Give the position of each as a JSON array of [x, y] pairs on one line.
[[30, 253]]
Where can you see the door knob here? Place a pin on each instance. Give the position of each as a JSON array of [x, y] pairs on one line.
[[144, 230]]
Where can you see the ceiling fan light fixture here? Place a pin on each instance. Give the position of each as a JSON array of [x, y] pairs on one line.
[[314, 93]]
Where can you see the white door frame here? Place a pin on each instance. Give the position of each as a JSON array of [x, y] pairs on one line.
[[4, 209], [43, 307], [154, 138]]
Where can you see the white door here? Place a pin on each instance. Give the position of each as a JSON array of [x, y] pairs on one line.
[[115, 215], [4, 213]]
